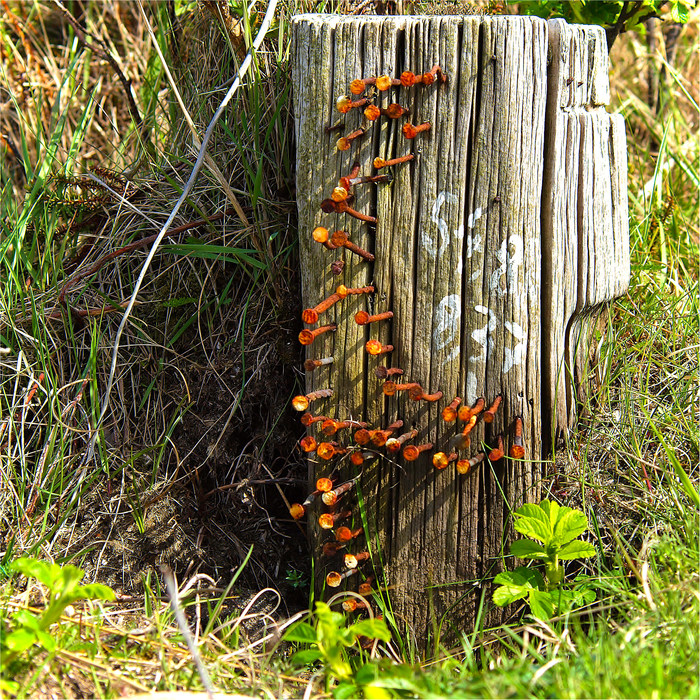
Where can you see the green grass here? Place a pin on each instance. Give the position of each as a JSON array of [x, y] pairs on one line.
[[212, 296]]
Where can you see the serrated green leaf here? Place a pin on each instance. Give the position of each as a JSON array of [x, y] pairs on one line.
[[577, 550], [541, 604], [534, 528], [526, 549], [505, 595], [301, 632], [570, 524]]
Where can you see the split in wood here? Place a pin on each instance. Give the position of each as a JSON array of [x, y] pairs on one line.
[[379, 437], [311, 365], [374, 347], [327, 521], [345, 534], [344, 142], [393, 111], [340, 239], [412, 452], [311, 315], [362, 318], [517, 449], [383, 372], [410, 131], [395, 444], [344, 103], [441, 460], [380, 163], [464, 466], [306, 337], [449, 413], [330, 207], [301, 402]]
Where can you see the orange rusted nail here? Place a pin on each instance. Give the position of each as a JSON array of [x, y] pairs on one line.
[[324, 484], [306, 337], [343, 291], [441, 460], [358, 85], [384, 82], [410, 131], [345, 534], [322, 235], [330, 549], [431, 76], [331, 426], [390, 388], [301, 403], [365, 588], [381, 163], [497, 452], [307, 419], [379, 437], [330, 207], [330, 498], [308, 444], [340, 239], [311, 365], [384, 372], [358, 457], [334, 579], [395, 444], [339, 194], [374, 347], [517, 449], [347, 183], [352, 560], [409, 79], [328, 450], [362, 318], [464, 466], [344, 142], [328, 520], [465, 412], [344, 103], [393, 111], [297, 511], [412, 452], [449, 413], [418, 394], [490, 414], [372, 112], [462, 441], [352, 604], [311, 315]]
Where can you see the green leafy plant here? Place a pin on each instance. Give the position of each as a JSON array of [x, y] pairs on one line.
[[616, 17], [330, 639], [25, 629], [552, 530]]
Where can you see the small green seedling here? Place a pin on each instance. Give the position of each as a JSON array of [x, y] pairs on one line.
[[330, 640], [554, 529], [26, 629]]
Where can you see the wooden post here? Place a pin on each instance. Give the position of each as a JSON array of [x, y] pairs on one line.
[[492, 246]]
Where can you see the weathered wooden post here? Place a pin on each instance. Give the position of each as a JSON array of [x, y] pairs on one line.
[[506, 229]]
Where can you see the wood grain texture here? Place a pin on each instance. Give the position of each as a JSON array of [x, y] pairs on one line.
[[489, 246]]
